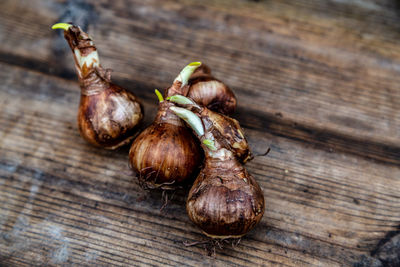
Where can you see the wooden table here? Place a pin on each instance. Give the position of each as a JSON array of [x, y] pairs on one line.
[[317, 81]]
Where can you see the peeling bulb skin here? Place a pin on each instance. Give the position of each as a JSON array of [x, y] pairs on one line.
[[207, 91], [108, 114], [166, 154], [85, 52], [229, 133]]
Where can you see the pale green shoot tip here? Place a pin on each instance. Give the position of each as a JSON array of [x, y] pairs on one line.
[[64, 26], [210, 144], [195, 64], [180, 99], [186, 72], [159, 95], [192, 119]]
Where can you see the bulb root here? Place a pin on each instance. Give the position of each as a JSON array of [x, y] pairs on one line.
[[166, 198], [210, 245]]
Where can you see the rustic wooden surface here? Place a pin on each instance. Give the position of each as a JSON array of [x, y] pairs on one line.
[[317, 81]]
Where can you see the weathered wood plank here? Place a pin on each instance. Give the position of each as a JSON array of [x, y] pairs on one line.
[[330, 79], [328, 76], [64, 201]]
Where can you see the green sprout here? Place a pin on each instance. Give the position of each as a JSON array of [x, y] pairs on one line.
[[159, 95], [192, 119], [180, 99], [186, 72], [64, 26], [210, 144]]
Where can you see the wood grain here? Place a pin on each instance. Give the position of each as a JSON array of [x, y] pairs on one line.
[[317, 201], [317, 82], [334, 74]]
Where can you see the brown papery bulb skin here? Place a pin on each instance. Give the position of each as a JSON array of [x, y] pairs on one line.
[[225, 200], [207, 91], [108, 115], [109, 118], [228, 132], [166, 153]]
